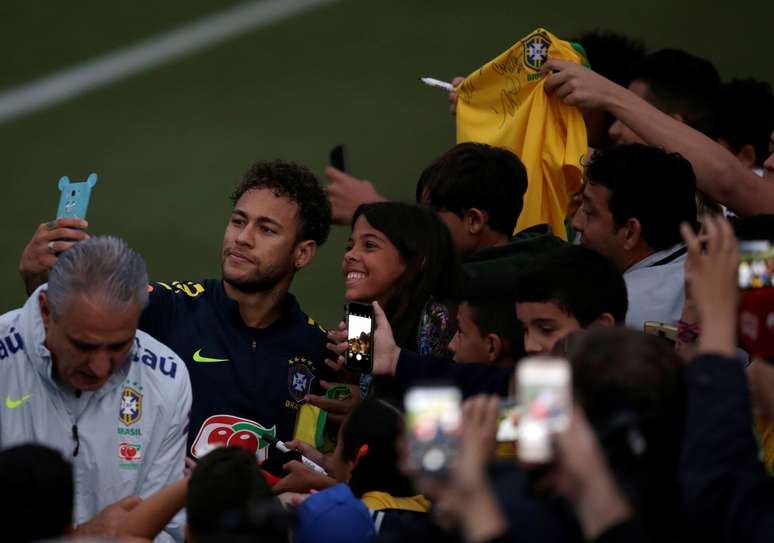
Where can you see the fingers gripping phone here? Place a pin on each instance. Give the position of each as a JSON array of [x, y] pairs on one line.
[[434, 419], [74, 198], [338, 158], [360, 337]]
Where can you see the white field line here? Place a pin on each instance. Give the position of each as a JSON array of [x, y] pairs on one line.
[[162, 48]]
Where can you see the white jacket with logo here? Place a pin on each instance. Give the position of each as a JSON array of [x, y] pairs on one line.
[[127, 438]]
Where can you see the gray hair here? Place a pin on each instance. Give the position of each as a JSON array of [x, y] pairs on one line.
[[102, 267]]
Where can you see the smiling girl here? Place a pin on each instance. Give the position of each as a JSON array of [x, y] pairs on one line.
[[402, 256]]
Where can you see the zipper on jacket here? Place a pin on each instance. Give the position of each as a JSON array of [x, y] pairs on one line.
[[77, 440]]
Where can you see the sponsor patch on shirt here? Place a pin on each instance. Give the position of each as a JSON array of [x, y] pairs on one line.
[[231, 431], [130, 455]]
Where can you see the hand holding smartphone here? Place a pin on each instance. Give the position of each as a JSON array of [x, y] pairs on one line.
[[360, 337]]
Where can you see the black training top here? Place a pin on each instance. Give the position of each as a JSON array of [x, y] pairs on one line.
[[246, 381]]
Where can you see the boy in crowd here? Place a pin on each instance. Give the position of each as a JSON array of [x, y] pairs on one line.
[[487, 328]]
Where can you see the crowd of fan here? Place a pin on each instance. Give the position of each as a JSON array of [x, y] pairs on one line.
[[667, 441]]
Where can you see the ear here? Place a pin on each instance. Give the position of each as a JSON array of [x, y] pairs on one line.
[[605, 319], [746, 156], [632, 233], [494, 347], [475, 220], [45, 312], [92, 180], [63, 182], [304, 253]]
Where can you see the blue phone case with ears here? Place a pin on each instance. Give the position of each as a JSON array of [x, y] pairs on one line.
[[74, 200]]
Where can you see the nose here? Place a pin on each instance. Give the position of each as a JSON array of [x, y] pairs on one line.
[[578, 221], [531, 345], [351, 255], [101, 364], [244, 237], [452, 347], [768, 167]]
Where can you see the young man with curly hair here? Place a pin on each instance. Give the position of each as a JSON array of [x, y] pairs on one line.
[[252, 354]]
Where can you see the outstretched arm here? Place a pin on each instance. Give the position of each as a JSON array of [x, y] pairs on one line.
[[718, 173]]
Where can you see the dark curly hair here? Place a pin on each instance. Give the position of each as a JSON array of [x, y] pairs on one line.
[[476, 175], [297, 183], [681, 83], [647, 183]]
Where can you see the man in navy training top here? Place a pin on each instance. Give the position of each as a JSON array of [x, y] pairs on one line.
[[252, 354]]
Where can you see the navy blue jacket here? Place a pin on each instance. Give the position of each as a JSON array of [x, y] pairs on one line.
[[726, 491], [471, 379], [246, 382]]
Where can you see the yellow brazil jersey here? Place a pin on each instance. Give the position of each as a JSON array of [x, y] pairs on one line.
[[504, 104]]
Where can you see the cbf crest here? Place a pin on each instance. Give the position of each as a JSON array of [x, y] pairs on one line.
[[300, 378], [536, 51], [130, 410]]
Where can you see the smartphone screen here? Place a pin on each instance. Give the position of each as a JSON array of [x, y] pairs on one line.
[[360, 337], [508, 421], [544, 391], [338, 158], [756, 264], [433, 415]]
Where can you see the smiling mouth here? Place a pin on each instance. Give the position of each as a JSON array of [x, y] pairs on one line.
[[354, 276]]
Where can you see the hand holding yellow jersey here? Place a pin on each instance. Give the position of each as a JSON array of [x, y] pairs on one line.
[[503, 104]]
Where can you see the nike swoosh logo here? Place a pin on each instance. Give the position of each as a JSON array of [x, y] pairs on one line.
[[199, 358], [13, 404]]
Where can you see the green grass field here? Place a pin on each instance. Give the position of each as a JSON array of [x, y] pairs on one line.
[[169, 143]]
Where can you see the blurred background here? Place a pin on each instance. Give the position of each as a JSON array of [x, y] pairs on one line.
[[170, 141]]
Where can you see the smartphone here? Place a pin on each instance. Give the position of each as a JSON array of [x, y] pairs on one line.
[[74, 197], [545, 392], [338, 158], [508, 421], [756, 264], [434, 417], [661, 329], [360, 337], [756, 323]]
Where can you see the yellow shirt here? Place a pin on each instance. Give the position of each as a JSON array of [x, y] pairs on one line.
[[503, 104], [376, 501]]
